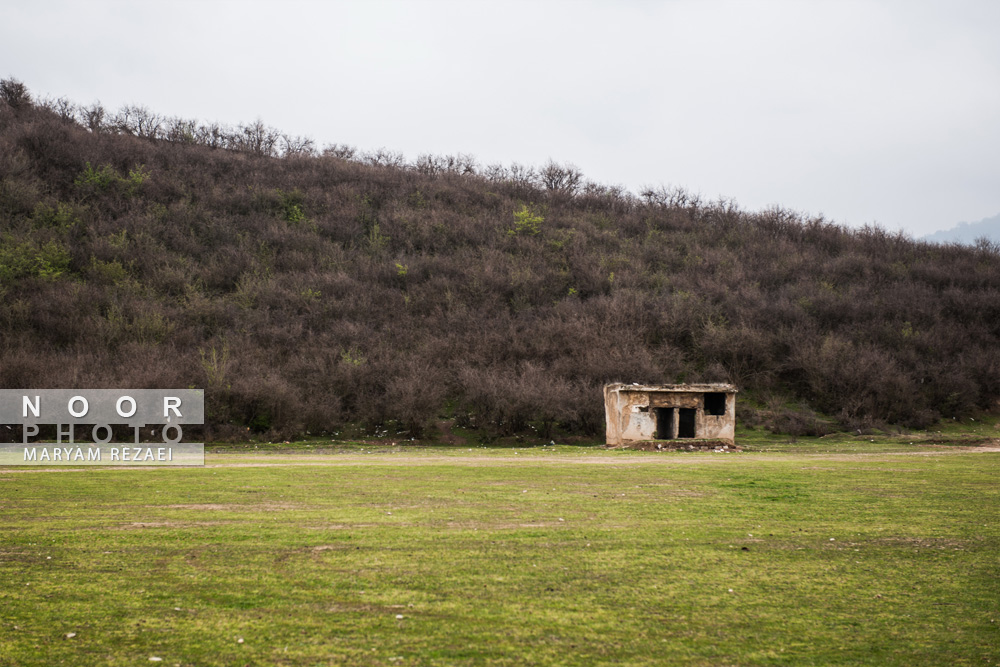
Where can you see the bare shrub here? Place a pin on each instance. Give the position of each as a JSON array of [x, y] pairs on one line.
[[138, 121], [340, 151], [560, 179], [14, 93]]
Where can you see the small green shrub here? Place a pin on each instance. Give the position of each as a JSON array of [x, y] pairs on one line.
[[99, 180], [291, 206], [119, 240], [527, 222], [60, 216], [261, 421], [136, 177], [108, 273], [215, 363], [150, 328], [352, 357], [27, 259], [375, 239], [249, 288], [146, 326], [293, 213], [106, 179]]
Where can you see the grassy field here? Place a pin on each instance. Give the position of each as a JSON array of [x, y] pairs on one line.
[[818, 552]]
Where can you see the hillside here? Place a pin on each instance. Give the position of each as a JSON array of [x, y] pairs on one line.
[[307, 290]]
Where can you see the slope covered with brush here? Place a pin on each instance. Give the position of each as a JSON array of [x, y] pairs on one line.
[[304, 289]]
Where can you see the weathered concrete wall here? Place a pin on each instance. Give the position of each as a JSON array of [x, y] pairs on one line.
[[630, 412], [628, 416], [662, 400], [720, 427]]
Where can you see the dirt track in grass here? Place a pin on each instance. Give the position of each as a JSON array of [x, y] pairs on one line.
[[462, 457]]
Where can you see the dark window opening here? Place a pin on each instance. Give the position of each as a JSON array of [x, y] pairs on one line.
[[715, 404], [664, 423], [685, 423]]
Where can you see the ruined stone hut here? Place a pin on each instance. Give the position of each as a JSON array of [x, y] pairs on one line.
[[640, 413]]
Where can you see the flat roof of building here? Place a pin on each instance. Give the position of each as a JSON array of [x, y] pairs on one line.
[[674, 388]]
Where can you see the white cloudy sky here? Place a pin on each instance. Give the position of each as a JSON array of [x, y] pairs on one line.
[[872, 111]]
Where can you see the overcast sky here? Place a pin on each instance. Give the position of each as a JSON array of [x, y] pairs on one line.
[[866, 112]]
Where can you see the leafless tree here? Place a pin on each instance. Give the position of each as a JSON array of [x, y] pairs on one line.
[[341, 151], [14, 93], [214, 135], [138, 121], [60, 106], [495, 172], [257, 138], [518, 174], [446, 164], [561, 179], [181, 130], [93, 117], [670, 197], [297, 146], [383, 157]]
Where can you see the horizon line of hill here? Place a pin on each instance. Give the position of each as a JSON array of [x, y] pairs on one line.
[[967, 232]]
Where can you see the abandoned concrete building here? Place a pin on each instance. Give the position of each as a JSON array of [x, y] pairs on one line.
[[639, 413]]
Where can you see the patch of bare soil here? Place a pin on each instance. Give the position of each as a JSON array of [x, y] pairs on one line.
[[961, 442], [139, 525], [401, 457], [921, 542], [445, 435], [230, 507], [680, 446]]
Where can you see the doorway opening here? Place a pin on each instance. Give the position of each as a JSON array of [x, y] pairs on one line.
[[685, 423], [664, 423]]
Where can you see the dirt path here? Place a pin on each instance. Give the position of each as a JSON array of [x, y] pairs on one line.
[[408, 459]]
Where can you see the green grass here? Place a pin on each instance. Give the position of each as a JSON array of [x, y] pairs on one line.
[[822, 552]]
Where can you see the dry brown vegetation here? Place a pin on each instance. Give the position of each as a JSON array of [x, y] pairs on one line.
[[304, 290]]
